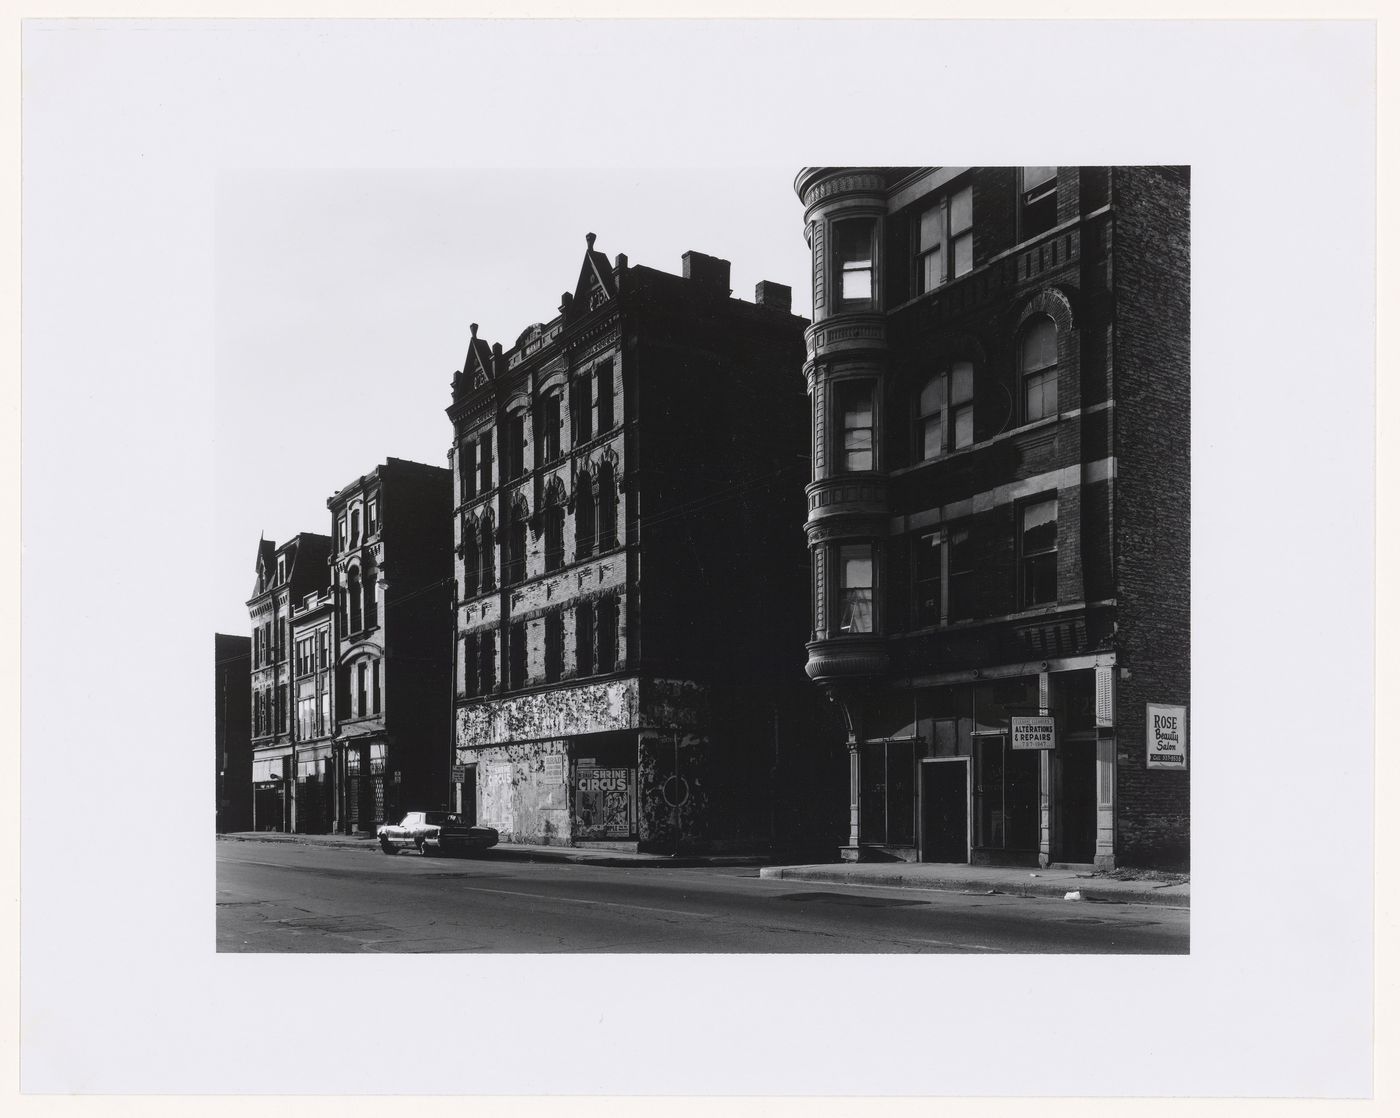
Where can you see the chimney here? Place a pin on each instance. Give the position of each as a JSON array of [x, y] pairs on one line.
[[709, 271], [775, 295]]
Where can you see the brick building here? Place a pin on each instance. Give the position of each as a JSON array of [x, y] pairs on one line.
[[313, 634], [391, 574], [233, 750], [285, 575], [630, 573], [999, 510]]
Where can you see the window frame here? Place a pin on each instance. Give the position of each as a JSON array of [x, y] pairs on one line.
[[950, 240], [1029, 560], [842, 429], [551, 433], [840, 587], [949, 411], [1030, 222], [840, 266], [1042, 373]]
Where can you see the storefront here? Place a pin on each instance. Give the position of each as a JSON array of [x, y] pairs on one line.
[[272, 807], [1005, 771]]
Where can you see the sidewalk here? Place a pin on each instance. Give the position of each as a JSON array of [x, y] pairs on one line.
[[1021, 882], [1018, 882]]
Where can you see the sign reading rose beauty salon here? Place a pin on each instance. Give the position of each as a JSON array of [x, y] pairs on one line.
[[1166, 737]]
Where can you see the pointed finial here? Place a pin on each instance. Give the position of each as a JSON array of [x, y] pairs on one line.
[[590, 238], [473, 329]]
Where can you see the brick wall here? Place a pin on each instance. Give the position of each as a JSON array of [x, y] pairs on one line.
[[1151, 344]]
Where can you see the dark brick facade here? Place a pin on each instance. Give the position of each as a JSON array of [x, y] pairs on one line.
[[1103, 266]]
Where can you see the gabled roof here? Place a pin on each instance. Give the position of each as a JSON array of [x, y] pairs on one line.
[[477, 367], [595, 280]]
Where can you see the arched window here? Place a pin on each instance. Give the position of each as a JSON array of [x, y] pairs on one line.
[[371, 591], [352, 594], [607, 508], [551, 422], [471, 560], [945, 412], [583, 516], [488, 553], [1039, 377]]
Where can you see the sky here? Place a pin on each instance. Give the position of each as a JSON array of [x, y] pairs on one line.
[[344, 300]]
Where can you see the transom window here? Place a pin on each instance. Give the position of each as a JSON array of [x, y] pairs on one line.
[[944, 240], [945, 411], [855, 253], [856, 604], [856, 406], [1038, 552], [1039, 375]]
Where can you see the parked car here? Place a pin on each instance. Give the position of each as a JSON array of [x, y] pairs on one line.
[[435, 832]]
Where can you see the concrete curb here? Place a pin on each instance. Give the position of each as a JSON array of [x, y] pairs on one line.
[[1102, 891]]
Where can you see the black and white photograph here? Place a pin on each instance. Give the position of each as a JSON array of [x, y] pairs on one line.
[[866, 625], [512, 505]]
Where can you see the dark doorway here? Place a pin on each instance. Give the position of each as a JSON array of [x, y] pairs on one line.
[[1079, 809], [468, 800], [944, 798]]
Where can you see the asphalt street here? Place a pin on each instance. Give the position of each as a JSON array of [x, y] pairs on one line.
[[293, 898]]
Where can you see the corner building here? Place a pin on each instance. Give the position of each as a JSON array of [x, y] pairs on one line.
[[999, 507], [631, 572]]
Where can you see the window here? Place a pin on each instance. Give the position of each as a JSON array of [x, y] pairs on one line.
[[341, 534], [470, 661], [513, 559], [378, 672], [605, 396], [471, 561], [513, 448], [887, 780], [467, 469], [283, 706], [371, 592], [486, 663], [583, 638], [581, 405], [372, 516], [855, 246], [607, 508], [322, 649], [857, 584], [553, 535], [607, 634], [355, 528], [1038, 200], [306, 716], [518, 652], [945, 412], [353, 593], [1038, 552], [583, 517], [943, 241], [361, 689], [856, 407], [488, 555], [961, 605], [324, 726], [553, 646], [550, 423], [484, 461], [928, 580], [1039, 377]]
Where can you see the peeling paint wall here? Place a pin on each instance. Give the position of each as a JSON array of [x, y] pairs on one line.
[[588, 709], [523, 792]]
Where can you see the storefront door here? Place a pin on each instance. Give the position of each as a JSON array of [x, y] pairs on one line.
[[1077, 817], [944, 795]]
